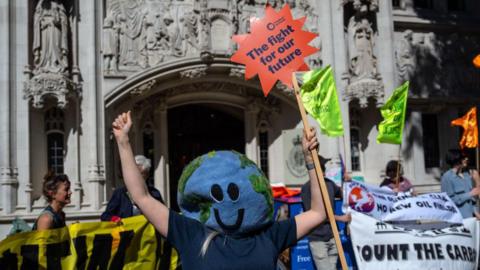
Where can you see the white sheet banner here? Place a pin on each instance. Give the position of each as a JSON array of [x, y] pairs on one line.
[[378, 245], [385, 205]]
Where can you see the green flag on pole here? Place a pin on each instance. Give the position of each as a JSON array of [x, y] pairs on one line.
[[319, 96], [391, 128]]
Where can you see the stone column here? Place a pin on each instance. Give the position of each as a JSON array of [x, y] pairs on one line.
[[74, 28], [385, 46], [8, 173], [161, 165], [92, 140], [21, 115], [334, 53], [251, 136]]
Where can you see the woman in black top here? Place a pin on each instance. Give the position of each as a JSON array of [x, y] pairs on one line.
[[56, 189]]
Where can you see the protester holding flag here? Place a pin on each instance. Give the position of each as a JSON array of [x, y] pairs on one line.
[[249, 240], [457, 183], [394, 171], [321, 241], [56, 189]]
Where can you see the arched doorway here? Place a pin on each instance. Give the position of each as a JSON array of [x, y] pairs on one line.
[[196, 129]]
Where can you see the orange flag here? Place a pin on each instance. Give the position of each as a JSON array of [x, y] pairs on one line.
[[476, 61], [469, 123]]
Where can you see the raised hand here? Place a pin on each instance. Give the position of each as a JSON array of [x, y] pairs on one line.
[[121, 126], [309, 142]]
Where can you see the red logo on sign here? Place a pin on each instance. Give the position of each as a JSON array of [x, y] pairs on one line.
[[360, 200], [275, 48]]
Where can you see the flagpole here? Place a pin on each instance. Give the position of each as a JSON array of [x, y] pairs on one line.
[[397, 179], [320, 179], [344, 156]]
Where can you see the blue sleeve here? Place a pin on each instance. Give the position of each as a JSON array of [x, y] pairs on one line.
[[337, 191], [112, 207], [283, 234], [182, 230], [456, 192]]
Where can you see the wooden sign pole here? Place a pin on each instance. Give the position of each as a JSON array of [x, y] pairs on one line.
[[321, 180], [397, 179]]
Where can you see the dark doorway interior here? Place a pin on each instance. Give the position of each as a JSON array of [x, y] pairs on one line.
[[194, 130]]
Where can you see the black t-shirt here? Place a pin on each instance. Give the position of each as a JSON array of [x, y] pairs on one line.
[[324, 231], [258, 251]]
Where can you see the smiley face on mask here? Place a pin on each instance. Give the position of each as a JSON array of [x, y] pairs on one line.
[[227, 192]]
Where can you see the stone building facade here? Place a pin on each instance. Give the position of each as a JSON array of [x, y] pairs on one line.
[[70, 66]]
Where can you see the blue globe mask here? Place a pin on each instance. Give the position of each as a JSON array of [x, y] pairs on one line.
[[227, 192]]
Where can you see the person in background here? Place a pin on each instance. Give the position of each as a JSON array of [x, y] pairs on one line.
[[56, 189], [390, 181], [457, 183], [121, 204], [321, 241]]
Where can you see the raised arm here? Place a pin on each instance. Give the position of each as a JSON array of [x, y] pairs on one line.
[[154, 211], [310, 219]]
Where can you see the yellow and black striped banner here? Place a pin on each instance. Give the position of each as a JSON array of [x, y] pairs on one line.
[[131, 244]]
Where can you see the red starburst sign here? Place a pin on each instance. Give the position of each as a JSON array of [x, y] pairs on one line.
[[275, 47]]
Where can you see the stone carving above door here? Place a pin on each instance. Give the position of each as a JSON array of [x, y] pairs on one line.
[[138, 34], [363, 79], [50, 71]]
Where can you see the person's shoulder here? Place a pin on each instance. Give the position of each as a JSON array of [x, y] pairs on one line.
[[120, 190], [45, 220], [45, 215], [385, 182], [329, 181], [446, 175], [306, 185], [406, 180]]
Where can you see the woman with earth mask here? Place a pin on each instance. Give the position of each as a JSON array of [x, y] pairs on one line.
[[227, 208]]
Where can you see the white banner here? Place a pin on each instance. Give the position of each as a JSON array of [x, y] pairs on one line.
[[378, 245], [385, 205]]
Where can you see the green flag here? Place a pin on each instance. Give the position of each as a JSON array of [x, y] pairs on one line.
[[391, 128], [319, 96]]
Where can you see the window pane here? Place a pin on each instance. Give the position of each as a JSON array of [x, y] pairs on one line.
[[148, 151], [263, 138], [430, 140], [55, 151], [427, 4], [355, 148], [456, 5]]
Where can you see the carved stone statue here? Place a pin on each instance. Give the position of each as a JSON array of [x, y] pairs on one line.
[[189, 33], [363, 78], [363, 64], [110, 42], [50, 44], [131, 24], [406, 56]]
